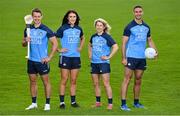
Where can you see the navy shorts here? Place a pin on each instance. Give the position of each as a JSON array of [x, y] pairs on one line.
[[69, 62], [100, 68], [37, 67], [135, 64]]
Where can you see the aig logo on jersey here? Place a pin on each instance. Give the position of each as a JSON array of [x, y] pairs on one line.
[[73, 39], [36, 40]]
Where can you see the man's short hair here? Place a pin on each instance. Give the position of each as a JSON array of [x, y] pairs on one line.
[[36, 10], [137, 6]]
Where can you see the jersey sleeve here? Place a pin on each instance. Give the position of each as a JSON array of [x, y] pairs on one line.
[[50, 33], [127, 31], [91, 39], [149, 33], [25, 34], [110, 41], [59, 32], [81, 34]]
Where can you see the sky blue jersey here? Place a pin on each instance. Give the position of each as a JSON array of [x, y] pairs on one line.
[[101, 46], [39, 42], [70, 39], [138, 35]]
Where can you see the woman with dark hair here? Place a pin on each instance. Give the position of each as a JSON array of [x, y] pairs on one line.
[[65, 19], [72, 41]]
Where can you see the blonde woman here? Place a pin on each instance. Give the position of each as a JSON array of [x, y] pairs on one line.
[[100, 53]]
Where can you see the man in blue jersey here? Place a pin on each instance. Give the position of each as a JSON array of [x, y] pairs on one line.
[[136, 35], [38, 62]]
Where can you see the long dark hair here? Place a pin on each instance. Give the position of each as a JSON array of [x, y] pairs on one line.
[[65, 19]]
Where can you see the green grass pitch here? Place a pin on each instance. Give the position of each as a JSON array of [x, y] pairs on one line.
[[161, 81]]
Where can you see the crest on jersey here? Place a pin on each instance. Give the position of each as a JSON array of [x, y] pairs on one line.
[[40, 34]]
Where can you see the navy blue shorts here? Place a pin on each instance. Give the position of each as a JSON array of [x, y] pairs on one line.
[[69, 62], [37, 67], [136, 64], [100, 68]]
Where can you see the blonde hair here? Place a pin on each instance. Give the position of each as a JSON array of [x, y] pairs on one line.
[[105, 23]]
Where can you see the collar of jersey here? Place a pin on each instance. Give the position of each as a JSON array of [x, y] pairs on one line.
[[101, 34], [137, 23], [40, 26], [70, 25]]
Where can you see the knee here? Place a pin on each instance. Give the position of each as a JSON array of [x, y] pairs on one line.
[[33, 82], [138, 81], [47, 83], [63, 82], [138, 77], [127, 80], [128, 76], [73, 82], [96, 84], [106, 84]]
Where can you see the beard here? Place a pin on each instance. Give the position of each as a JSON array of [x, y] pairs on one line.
[[138, 18]]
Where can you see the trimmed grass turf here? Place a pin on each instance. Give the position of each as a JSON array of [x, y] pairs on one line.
[[161, 82]]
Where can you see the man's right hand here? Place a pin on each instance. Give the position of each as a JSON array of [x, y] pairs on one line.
[[27, 39]]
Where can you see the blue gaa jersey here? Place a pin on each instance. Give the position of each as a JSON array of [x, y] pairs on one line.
[[39, 42], [101, 46], [70, 39], [138, 35]]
